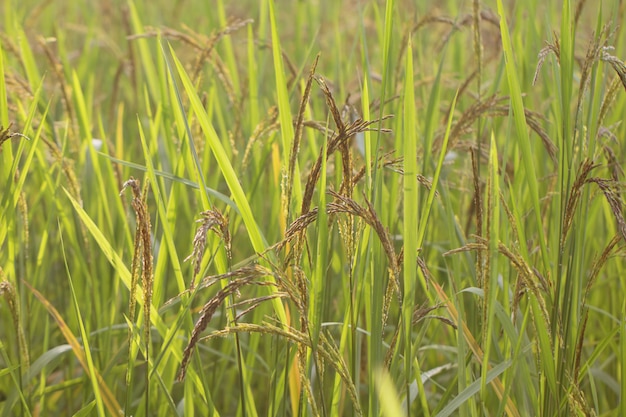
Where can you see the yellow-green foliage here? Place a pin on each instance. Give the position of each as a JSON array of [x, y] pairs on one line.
[[334, 208]]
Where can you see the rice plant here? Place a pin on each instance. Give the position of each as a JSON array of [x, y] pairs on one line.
[[263, 208]]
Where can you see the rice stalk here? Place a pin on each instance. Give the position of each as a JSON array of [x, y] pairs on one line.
[[609, 189], [142, 259], [616, 63], [10, 295], [326, 350], [237, 279], [295, 149], [215, 221]]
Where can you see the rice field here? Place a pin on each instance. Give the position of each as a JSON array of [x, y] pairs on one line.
[[323, 208]]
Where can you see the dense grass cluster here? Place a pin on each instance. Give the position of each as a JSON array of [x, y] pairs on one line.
[[312, 208]]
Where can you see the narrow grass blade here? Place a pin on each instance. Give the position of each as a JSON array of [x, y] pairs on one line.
[[148, 65], [181, 120], [622, 356], [431, 118], [493, 236], [411, 228], [19, 185], [318, 283], [389, 403], [542, 327], [161, 209], [566, 65], [366, 136], [286, 118], [510, 408], [523, 138], [228, 50], [86, 410], [108, 399], [81, 107], [6, 155], [4, 109], [96, 381], [253, 80], [433, 189], [472, 389], [28, 59], [174, 178], [124, 274], [386, 84], [374, 287], [256, 237]]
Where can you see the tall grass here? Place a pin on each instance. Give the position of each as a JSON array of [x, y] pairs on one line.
[[275, 208]]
